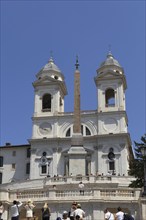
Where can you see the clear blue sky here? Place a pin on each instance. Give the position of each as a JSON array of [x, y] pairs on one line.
[[31, 29]]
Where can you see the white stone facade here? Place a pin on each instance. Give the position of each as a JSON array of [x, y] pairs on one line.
[[52, 157]]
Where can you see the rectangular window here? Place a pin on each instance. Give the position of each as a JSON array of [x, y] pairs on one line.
[[44, 169], [28, 152], [1, 178], [28, 168], [13, 166], [1, 161], [112, 165], [14, 153]]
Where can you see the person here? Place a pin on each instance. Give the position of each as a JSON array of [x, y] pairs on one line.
[[119, 214], [1, 210], [108, 215], [15, 210], [79, 212], [65, 215], [81, 187], [71, 212], [29, 209], [46, 212]]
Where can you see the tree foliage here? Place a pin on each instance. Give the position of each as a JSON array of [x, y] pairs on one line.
[[137, 165]]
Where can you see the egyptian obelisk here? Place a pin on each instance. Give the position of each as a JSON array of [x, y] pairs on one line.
[[77, 153]]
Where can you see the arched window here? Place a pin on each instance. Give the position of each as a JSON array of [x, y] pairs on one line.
[[46, 103], [84, 131], [88, 131], [110, 97], [68, 133]]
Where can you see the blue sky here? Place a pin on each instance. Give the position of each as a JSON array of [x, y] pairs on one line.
[[31, 29]]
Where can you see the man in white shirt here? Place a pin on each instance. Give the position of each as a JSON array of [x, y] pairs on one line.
[[119, 214], [15, 210], [108, 215], [79, 212], [81, 188]]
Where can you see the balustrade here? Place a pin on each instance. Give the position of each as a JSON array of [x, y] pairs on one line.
[[90, 193]]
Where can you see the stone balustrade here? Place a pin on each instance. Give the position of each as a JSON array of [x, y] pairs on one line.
[[54, 194]]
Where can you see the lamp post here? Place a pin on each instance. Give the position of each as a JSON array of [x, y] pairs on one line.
[[143, 151]]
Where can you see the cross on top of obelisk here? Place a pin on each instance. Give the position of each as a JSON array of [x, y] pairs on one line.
[[77, 63]]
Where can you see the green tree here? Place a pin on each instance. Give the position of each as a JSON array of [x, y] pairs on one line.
[[136, 166]]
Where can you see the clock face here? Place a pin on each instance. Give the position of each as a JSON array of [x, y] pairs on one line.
[[45, 128]]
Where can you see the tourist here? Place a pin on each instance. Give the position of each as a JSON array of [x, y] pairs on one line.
[[71, 212], [79, 212], [119, 214], [46, 212], [65, 216], [15, 210], [108, 215], [81, 188], [29, 209], [1, 210]]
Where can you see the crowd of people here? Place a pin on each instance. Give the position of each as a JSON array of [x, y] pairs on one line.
[[29, 207], [75, 213]]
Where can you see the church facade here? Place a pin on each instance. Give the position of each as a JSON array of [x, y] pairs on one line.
[[68, 147]]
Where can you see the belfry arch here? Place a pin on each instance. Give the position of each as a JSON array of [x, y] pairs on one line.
[[109, 97]]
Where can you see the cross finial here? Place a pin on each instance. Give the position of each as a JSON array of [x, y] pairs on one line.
[[77, 63], [51, 57], [51, 54], [109, 48]]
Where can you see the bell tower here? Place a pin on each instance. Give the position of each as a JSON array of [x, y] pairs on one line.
[[111, 85], [50, 90], [114, 143]]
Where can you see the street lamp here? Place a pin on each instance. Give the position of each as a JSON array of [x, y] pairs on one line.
[[143, 151]]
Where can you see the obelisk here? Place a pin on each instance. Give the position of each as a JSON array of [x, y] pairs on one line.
[[77, 153], [77, 116]]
